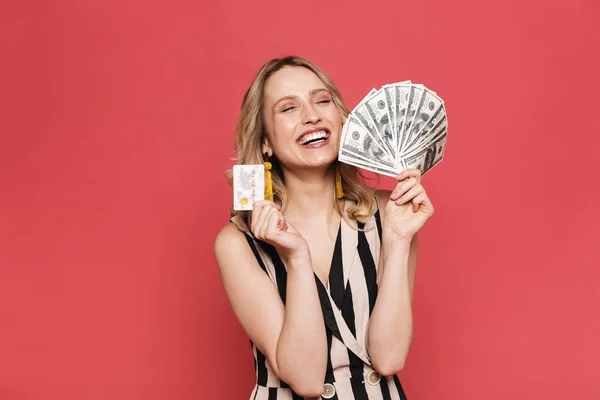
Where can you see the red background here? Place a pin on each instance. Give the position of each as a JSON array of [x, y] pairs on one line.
[[117, 122]]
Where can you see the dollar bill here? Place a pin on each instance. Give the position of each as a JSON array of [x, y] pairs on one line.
[[378, 109], [411, 110], [429, 105], [426, 129], [428, 136], [402, 94], [361, 112], [389, 99], [358, 140], [382, 162], [402, 125], [428, 157], [248, 185], [361, 163]]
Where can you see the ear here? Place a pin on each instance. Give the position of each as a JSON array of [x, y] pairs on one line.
[[266, 147]]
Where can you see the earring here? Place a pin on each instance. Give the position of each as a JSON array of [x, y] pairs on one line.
[[268, 181], [339, 191]]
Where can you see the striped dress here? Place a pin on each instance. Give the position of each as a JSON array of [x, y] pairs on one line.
[[347, 303]]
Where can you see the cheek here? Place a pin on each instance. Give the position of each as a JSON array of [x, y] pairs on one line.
[[335, 119], [283, 127], [282, 130]]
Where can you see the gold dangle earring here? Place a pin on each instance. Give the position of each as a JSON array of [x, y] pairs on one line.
[[339, 191], [268, 181]]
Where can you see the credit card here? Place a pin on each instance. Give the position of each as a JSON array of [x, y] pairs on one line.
[[248, 185]]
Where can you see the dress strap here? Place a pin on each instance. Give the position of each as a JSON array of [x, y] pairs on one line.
[[377, 217], [378, 223]]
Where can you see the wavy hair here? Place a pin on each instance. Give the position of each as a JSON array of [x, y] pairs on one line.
[[251, 132]]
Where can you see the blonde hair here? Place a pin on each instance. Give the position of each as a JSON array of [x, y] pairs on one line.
[[250, 135]]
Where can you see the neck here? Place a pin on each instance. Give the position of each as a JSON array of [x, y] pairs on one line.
[[311, 194]]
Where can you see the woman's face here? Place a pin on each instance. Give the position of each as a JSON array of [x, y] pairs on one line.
[[303, 123]]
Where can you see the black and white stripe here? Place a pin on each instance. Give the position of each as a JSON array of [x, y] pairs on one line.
[[347, 303]]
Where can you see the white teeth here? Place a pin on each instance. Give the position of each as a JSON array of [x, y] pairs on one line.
[[313, 136]]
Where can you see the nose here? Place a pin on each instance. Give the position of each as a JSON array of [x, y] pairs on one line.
[[311, 114]]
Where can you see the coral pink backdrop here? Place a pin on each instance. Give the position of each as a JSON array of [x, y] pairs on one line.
[[116, 124]]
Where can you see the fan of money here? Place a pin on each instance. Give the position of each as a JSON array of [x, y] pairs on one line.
[[402, 125]]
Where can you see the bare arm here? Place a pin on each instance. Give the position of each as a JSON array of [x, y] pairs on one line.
[[411, 265], [292, 337], [391, 325]]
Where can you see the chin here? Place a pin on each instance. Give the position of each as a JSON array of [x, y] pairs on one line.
[[321, 162], [310, 163]]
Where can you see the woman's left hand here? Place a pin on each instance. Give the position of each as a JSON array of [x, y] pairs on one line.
[[409, 206]]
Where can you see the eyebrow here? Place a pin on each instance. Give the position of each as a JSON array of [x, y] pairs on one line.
[[312, 93]]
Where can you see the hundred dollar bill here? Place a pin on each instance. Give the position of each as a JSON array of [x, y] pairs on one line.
[[377, 108], [363, 157], [358, 140], [427, 129], [402, 125], [348, 155], [248, 185], [389, 99], [428, 136], [429, 106], [360, 163], [402, 93], [411, 109], [429, 156], [378, 162], [362, 114]]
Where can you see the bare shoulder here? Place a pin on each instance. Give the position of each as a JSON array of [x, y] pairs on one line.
[[227, 238]]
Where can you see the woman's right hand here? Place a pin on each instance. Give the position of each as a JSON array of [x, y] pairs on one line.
[[269, 225]]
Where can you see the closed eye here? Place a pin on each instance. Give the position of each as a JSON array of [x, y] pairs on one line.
[[287, 109]]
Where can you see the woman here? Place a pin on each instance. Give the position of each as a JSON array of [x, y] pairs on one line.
[[321, 278]]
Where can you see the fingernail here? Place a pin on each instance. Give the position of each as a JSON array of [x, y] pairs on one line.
[[400, 176]]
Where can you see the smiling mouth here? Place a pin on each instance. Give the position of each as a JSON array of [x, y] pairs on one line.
[[314, 137]]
